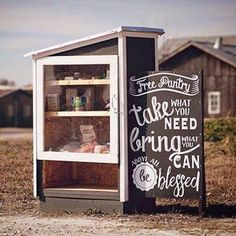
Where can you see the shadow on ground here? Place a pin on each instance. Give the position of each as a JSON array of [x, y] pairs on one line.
[[214, 210]]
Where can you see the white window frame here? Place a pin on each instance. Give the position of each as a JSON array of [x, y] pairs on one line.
[[217, 95], [112, 157], [27, 110], [10, 110]]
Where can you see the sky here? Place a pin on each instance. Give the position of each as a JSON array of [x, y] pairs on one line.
[[28, 25]]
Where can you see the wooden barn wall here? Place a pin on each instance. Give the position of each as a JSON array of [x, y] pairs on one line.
[[109, 47], [217, 75], [18, 120]]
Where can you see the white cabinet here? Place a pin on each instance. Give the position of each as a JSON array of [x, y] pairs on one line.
[[80, 118], [77, 109]]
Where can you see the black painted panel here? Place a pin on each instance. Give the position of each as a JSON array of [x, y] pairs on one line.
[[140, 55], [165, 136], [109, 47]]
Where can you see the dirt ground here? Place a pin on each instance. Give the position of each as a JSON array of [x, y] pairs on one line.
[[31, 224], [20, 213], [16, 133]]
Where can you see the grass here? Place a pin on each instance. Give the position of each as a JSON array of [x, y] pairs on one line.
[[220, 174], [16, 190], [16, 176]]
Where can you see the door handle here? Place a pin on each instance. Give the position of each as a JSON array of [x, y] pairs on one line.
[[112, 103]]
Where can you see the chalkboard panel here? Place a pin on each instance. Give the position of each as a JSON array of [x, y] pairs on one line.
[[165, 135]]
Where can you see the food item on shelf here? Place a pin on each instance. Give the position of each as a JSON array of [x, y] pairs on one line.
[[101, 97], [106, 151], [106, 94], [53, 102], [107, 107], [108, 74], [89, 95], [88, 134], [70, 93], [51, 77], [68, 78], [101, 149], [88, 147], [71, 147], [78, 103], [102, 76], [77, 76]]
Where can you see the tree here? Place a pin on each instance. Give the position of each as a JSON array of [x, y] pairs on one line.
[[4, 81]]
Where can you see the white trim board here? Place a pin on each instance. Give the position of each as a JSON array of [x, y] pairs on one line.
[[34, 67], [78, 157], [79, 60], [123, 120]]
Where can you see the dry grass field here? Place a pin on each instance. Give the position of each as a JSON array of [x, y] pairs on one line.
[[16, 197], [16, 176]]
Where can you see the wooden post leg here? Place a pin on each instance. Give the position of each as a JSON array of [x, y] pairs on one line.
[[202, 199], [202, 206]]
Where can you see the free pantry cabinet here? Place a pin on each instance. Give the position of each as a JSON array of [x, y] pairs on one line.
[[80, 118]]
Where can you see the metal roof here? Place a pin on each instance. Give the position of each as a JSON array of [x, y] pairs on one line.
[[92, 39], [226, 53], [4, 93], [172, 44]]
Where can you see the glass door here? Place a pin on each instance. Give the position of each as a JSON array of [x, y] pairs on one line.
[[76, 104]]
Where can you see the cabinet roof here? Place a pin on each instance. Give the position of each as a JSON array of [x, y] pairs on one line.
[[93, 39]]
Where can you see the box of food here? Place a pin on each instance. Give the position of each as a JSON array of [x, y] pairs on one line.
[[70, 94], [53, 102]]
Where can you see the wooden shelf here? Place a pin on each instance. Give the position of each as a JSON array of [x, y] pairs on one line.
[[75, 191], [78, 82], [77, 187], [77, 113], [79, 157]]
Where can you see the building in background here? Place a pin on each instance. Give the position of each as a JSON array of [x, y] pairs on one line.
[[216, 56], [16, 107]]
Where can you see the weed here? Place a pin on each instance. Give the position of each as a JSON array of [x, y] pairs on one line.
[[217, 129], [94, 211]]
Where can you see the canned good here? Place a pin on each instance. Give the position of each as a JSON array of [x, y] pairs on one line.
[[78, 103]]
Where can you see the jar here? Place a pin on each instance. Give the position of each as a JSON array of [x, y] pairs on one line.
[[78, 103]]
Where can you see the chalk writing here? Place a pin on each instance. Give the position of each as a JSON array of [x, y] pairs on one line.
[[164, 82], [164, 128]]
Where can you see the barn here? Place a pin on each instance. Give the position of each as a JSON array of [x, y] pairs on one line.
[[16, 108], [217, 60]]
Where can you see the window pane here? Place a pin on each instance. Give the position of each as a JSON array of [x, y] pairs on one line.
[[26, 110], [76, 105], [66, 90], [214, 103], [10, 110], [77, 134], [76, 72]]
